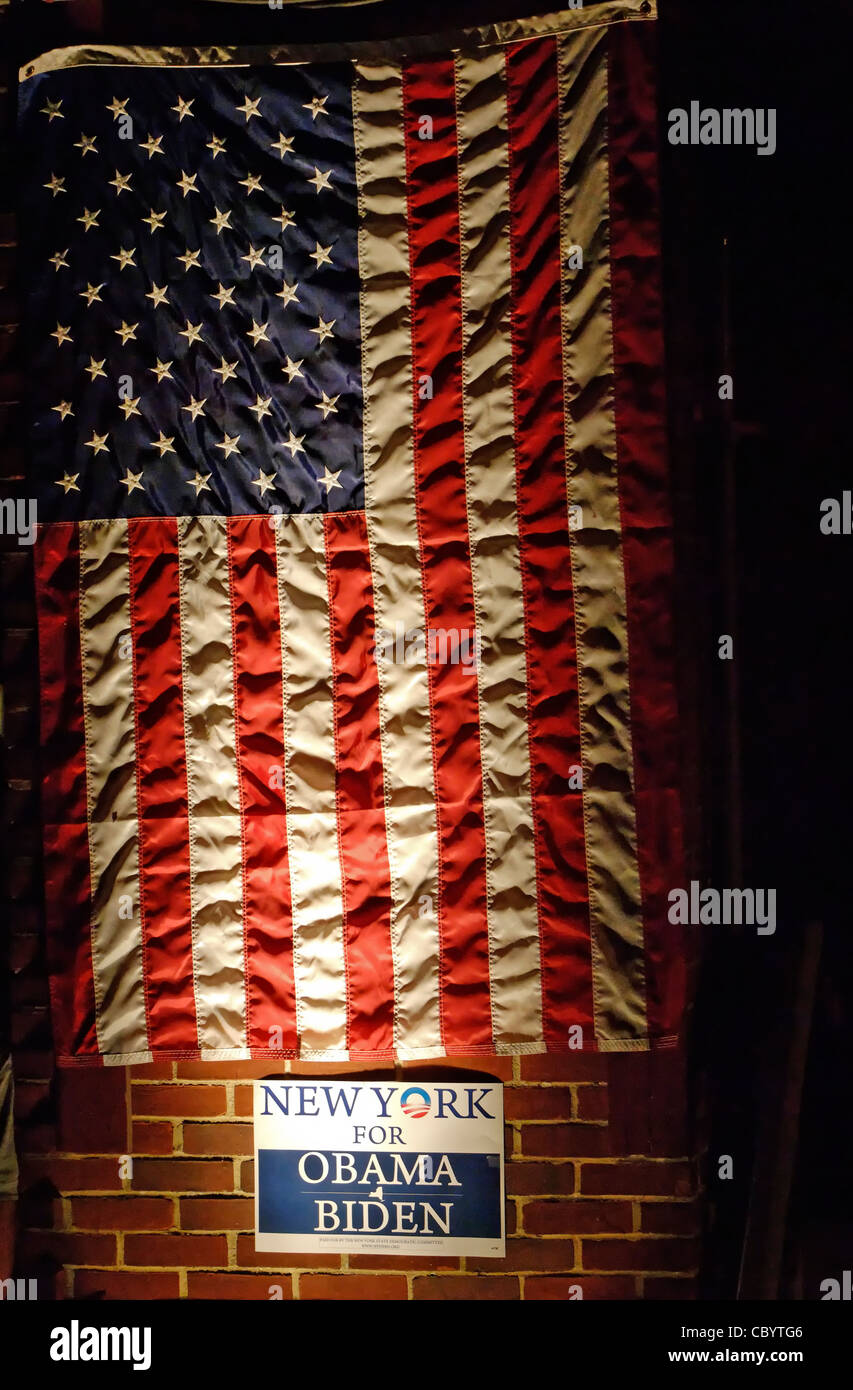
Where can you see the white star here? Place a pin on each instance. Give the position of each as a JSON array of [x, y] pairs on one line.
[[63, 409], [118, 108], [229, 446], [262, 406], [127, 332], [156, 220], [125, 258], [164, 444], [52, 109], [288, 293], [328, 405], [263, 482], [321, 255], [87, 144], [56, 184], [254, 257], [152, 145], [184, 108], [287, 219], [251, 184], [161, 370], [258, 333], [292, 368], [132, 480], [62, 335], [216, 145], [121, 183], [190, 259], [284, 144], [195, 408], [130, 407], [250, 108], [89, 219], [192, 333], [69, 483], [224, 296], [324, 329], [200, 483], [158, 293], [98, 443], [221, 220], [321, 179], [226, 370], [59, 260], [330, 480], [96, 369], [92, 293], [293, 443], [317, 107], [187, 182]]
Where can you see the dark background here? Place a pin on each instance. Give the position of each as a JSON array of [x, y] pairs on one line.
[[755, 254]]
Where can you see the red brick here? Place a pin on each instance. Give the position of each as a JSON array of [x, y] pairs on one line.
[[564, 1141], [510, 1218], [637, 1178], [72, 1174], [564, 1066], [250, 1258], [129, 1213], [577, 1217], [237, 1286], [218, 1138], [232, 1071], [407, 1262], [244, 1100], [152, 1137], [178, 1249], [477, 1289], [670, 1218], [592, 1102], [498, 1068], [371, 1288], [669, 1289], [125, 1284], [537, 1103], [593, 1287], [179, 1100], [92, 1110], [534, 1179], [247, 1176], [532, 1254], [182, 1175], [151, 1071], [653, 1253], [67, 1247], [218, 1213]]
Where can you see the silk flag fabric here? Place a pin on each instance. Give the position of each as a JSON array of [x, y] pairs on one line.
[[353, 550]]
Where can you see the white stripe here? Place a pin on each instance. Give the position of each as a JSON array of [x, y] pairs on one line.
[[215, 842]]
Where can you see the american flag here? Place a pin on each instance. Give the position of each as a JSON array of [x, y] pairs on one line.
[[353, 554]]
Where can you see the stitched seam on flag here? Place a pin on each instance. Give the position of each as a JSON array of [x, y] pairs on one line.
[[466, 433], [522, 564], [87, 730], [424, 589], [335, 740], [238, 771], [289, 795], [371, 546], [191, 842], [580, 616], [143, 916]]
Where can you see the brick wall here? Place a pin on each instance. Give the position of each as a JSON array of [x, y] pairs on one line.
[[580, 1211]]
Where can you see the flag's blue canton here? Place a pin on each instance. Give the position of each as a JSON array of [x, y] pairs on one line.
[[194, 313]]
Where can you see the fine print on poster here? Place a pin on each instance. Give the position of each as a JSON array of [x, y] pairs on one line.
[[379, 1166]]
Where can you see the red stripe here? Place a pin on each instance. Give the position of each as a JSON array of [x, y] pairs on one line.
[[644, 491], [360, 788], [552, 676], [267, 918], [164, 865], [64, 804], [433, 210]]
